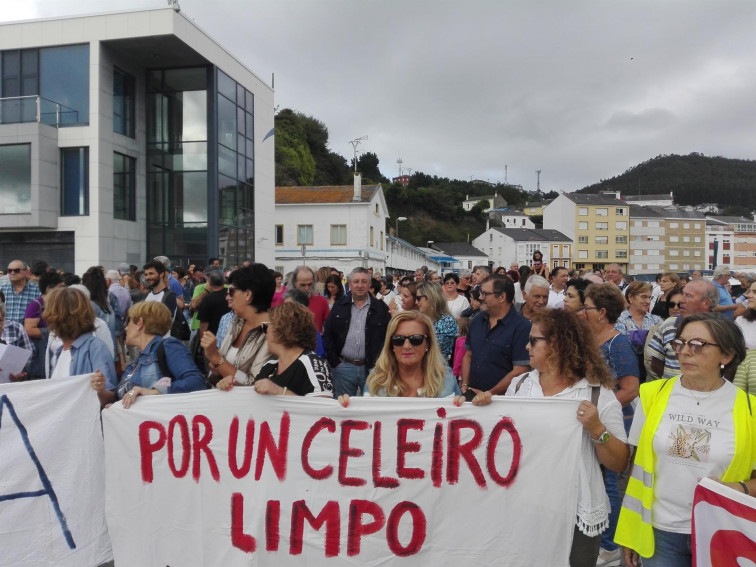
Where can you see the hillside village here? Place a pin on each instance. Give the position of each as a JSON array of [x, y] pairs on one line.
[[351, 226]]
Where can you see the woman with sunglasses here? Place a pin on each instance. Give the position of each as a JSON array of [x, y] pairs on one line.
[[687, 427], [431, 301], [410, 364], [673, 302], [567, 365], [244, 349]]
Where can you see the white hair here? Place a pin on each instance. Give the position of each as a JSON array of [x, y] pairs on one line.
[[536, 281], [721, 270]]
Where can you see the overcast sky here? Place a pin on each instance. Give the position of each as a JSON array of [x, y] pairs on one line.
[[581, 90]]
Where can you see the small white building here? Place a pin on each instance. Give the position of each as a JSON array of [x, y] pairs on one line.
[[495, 201], [506, 245], [512, 218], [340, 226], [456, 256], [405, 258]]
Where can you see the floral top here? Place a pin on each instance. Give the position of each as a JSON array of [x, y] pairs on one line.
[[446, 333], [625, 322]]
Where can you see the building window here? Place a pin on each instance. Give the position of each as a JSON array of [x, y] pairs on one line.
[[674, 239], [620, 211], [697, 226], [583, 239], [637, 223], [673, 225], [64, 80], [338, 235], [686, 252], [566, 250], [304, 234], [674, 267], [382, 239], [620, 253], [279, 236], [15, 179], [582, 254], [602, 254], [602, 212], [74, 181], [697, 239], [602, 240], [686, 225], [653, 224], [674, 252], [124, 103], [372, 237], [583, 226], [555, 250], [124, 187], [697, 253], [583, 211], [602, 226], [620, 239], [620, 225]]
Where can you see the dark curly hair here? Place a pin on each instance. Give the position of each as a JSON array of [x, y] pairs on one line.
[[573, 349], [293, 326]]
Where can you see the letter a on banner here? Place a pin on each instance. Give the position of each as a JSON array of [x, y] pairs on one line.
[[47, 489]]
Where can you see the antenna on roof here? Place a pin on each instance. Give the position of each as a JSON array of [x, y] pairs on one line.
[[356, 142], [399, 163], [538, 185]]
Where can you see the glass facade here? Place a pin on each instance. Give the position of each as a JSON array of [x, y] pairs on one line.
[[124, 187], [124, 103], [236, 183], [177, 167], [59, 75], [74, 182], [15, 179]]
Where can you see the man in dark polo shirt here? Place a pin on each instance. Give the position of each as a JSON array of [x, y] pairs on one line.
[[495, 347], [214, 306]]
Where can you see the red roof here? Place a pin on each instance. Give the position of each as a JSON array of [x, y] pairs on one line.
[[325, 194]]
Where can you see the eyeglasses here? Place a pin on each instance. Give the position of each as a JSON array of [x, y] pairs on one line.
[[533, 340], [695, 345], [415, 340], [484, 294], [588, 308], [419, 297], [673, 304], [15, 270], [230, 290]]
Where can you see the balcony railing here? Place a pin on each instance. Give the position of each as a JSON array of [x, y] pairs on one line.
[[34, 108]]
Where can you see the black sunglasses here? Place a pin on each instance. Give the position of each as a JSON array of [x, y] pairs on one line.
[[15, 270], [673, 304], [415, 340], [533, 340]]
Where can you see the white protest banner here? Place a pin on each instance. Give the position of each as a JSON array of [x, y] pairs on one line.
[[236, 478], [52, 475], [724, 526]]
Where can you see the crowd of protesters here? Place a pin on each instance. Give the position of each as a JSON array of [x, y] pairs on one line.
[[642, 358]]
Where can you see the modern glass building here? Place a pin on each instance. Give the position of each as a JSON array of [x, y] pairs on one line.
[[130, 135]]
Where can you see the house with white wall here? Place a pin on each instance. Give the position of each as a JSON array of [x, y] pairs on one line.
[[341, 226], [507, 245]]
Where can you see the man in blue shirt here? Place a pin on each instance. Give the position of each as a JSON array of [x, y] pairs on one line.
[[720, 279], [495, 346]]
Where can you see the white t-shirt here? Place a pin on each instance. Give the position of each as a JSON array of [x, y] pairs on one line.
[[63, 365], [555, 296], [695, 439], [457, 305], [152, 296], [749, 331]]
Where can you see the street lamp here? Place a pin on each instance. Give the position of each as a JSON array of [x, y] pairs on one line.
[[396, 230]]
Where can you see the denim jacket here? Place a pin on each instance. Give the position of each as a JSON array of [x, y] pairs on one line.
[[88, 353], [145, 370]]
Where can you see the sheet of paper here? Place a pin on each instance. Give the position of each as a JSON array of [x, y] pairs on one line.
[[12, 361]]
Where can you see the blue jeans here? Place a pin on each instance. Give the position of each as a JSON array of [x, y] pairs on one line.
[[671, 550], [349, 379], [611, 483]]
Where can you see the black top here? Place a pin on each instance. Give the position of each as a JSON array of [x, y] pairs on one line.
[[308, 374], [213, 307]]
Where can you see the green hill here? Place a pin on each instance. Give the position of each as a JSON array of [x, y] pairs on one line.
[[693, 179]]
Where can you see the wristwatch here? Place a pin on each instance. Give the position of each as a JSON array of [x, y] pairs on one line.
[[602, 439]]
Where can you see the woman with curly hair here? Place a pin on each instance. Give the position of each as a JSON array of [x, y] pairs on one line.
[[294, 370], [566, 364], [410, 364], [431, 301]]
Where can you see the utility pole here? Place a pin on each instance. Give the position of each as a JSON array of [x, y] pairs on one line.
[[505, 174], [399, 163], [356, 142], [538, 184]]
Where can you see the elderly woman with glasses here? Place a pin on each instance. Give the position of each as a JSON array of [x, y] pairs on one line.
[[244, 349], [410, 364], [694, 425]]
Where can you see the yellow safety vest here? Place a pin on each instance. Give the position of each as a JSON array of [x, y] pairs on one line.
[[635, 526]]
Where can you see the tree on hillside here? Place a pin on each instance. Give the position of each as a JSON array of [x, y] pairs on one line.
[[367, 165], [302, 154]]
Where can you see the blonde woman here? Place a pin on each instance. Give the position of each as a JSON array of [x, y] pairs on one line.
[[410, 364]]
